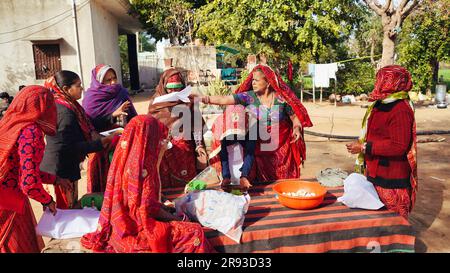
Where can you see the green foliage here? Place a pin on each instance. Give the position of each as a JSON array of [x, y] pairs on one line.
[[356, 77], [425, 42], [217, 88], [170, 19], [279, 28]]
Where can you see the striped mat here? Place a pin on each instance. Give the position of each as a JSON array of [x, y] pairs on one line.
[[332, 227]]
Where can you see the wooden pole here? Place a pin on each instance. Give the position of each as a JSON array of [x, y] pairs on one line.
[[314, 90], [335, 96]]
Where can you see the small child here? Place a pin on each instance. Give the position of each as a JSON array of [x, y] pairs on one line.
[[236, 130]]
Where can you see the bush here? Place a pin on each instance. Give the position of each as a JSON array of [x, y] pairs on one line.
[[355, 78]]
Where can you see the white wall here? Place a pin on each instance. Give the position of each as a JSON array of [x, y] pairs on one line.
[[16, 52], [105, 38], [98, 36]]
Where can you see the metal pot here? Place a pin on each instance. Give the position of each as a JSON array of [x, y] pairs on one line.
[[441, 94]]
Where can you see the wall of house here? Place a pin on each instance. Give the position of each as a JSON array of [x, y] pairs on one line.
[[105, 36], [193, 58], [23, 20]]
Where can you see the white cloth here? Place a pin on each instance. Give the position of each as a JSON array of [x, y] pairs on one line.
[[360, 193], [66, 224], [183, 95], [235, 161], [218, 210], [323, 73]]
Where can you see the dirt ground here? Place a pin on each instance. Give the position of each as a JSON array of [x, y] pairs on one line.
[[431, 215]]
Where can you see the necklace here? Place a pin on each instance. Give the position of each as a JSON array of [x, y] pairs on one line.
[[271, 101]]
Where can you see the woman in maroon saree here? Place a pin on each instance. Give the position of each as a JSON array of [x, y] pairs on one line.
[[274, 105], [132, 217], [188, 149]]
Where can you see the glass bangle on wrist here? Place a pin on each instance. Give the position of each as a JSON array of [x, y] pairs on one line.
[[363, 150]]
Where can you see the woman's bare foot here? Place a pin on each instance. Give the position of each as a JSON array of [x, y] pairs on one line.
[[245, 184]]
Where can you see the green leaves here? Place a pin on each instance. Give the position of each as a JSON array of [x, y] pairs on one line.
[[424, 41]]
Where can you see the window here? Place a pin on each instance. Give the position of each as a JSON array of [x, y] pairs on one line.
[[47, 60]]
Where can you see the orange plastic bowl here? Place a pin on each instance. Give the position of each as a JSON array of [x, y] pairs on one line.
[[300, 202]]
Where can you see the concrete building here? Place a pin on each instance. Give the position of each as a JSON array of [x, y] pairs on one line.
[[41, 37]]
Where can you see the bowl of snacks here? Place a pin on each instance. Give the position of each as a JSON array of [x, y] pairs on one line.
[[298, 194]]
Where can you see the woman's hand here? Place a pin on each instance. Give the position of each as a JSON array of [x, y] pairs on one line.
[[354, 147], [107, 140], [51, 207], [201, 151], [122, 110], [296, 134], [64, 183]]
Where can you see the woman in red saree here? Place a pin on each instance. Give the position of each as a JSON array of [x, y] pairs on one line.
[[188, 145], [132, 217], [276, 107], [31, 114], [388, 146]]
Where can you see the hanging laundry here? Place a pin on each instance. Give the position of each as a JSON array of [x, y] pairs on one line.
[[311, 68], [323, 73]]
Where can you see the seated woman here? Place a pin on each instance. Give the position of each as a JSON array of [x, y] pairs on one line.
[[74, 139], [132, 218], [31, 115], [387, 150], [189, 150], [235, 123], [277, 109], [106, 103]]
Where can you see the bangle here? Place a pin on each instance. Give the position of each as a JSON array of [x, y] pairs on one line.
[[206, 99], [363, 150], [297, 126]]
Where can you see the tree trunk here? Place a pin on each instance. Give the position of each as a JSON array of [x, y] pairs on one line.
[[387, 57], [435, 66]]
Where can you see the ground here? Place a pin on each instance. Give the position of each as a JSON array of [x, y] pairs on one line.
[[431, 215]]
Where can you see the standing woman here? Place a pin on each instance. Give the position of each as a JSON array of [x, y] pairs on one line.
[[106, 103], [74, 139], [31, 115], [188, 145], [275, 107], [388, 147]]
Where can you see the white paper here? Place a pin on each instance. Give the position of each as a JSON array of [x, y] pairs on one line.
[[68, 224], [109, 132], [183, 95], [218, 210], [360, 193]]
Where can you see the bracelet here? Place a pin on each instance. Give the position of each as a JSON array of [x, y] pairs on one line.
[[198, 147], [297, 126], [364, 147], [206, 99]]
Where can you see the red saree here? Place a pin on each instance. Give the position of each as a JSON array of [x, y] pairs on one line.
[[172, 173], [132, 199]]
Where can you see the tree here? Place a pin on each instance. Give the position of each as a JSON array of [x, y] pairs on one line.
[[279, 28], [425, 42], [367, 38], [392, 19], [169, 19]]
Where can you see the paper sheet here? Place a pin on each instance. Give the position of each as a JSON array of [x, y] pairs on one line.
[[68, 224], [183, 95], [107, 133]]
